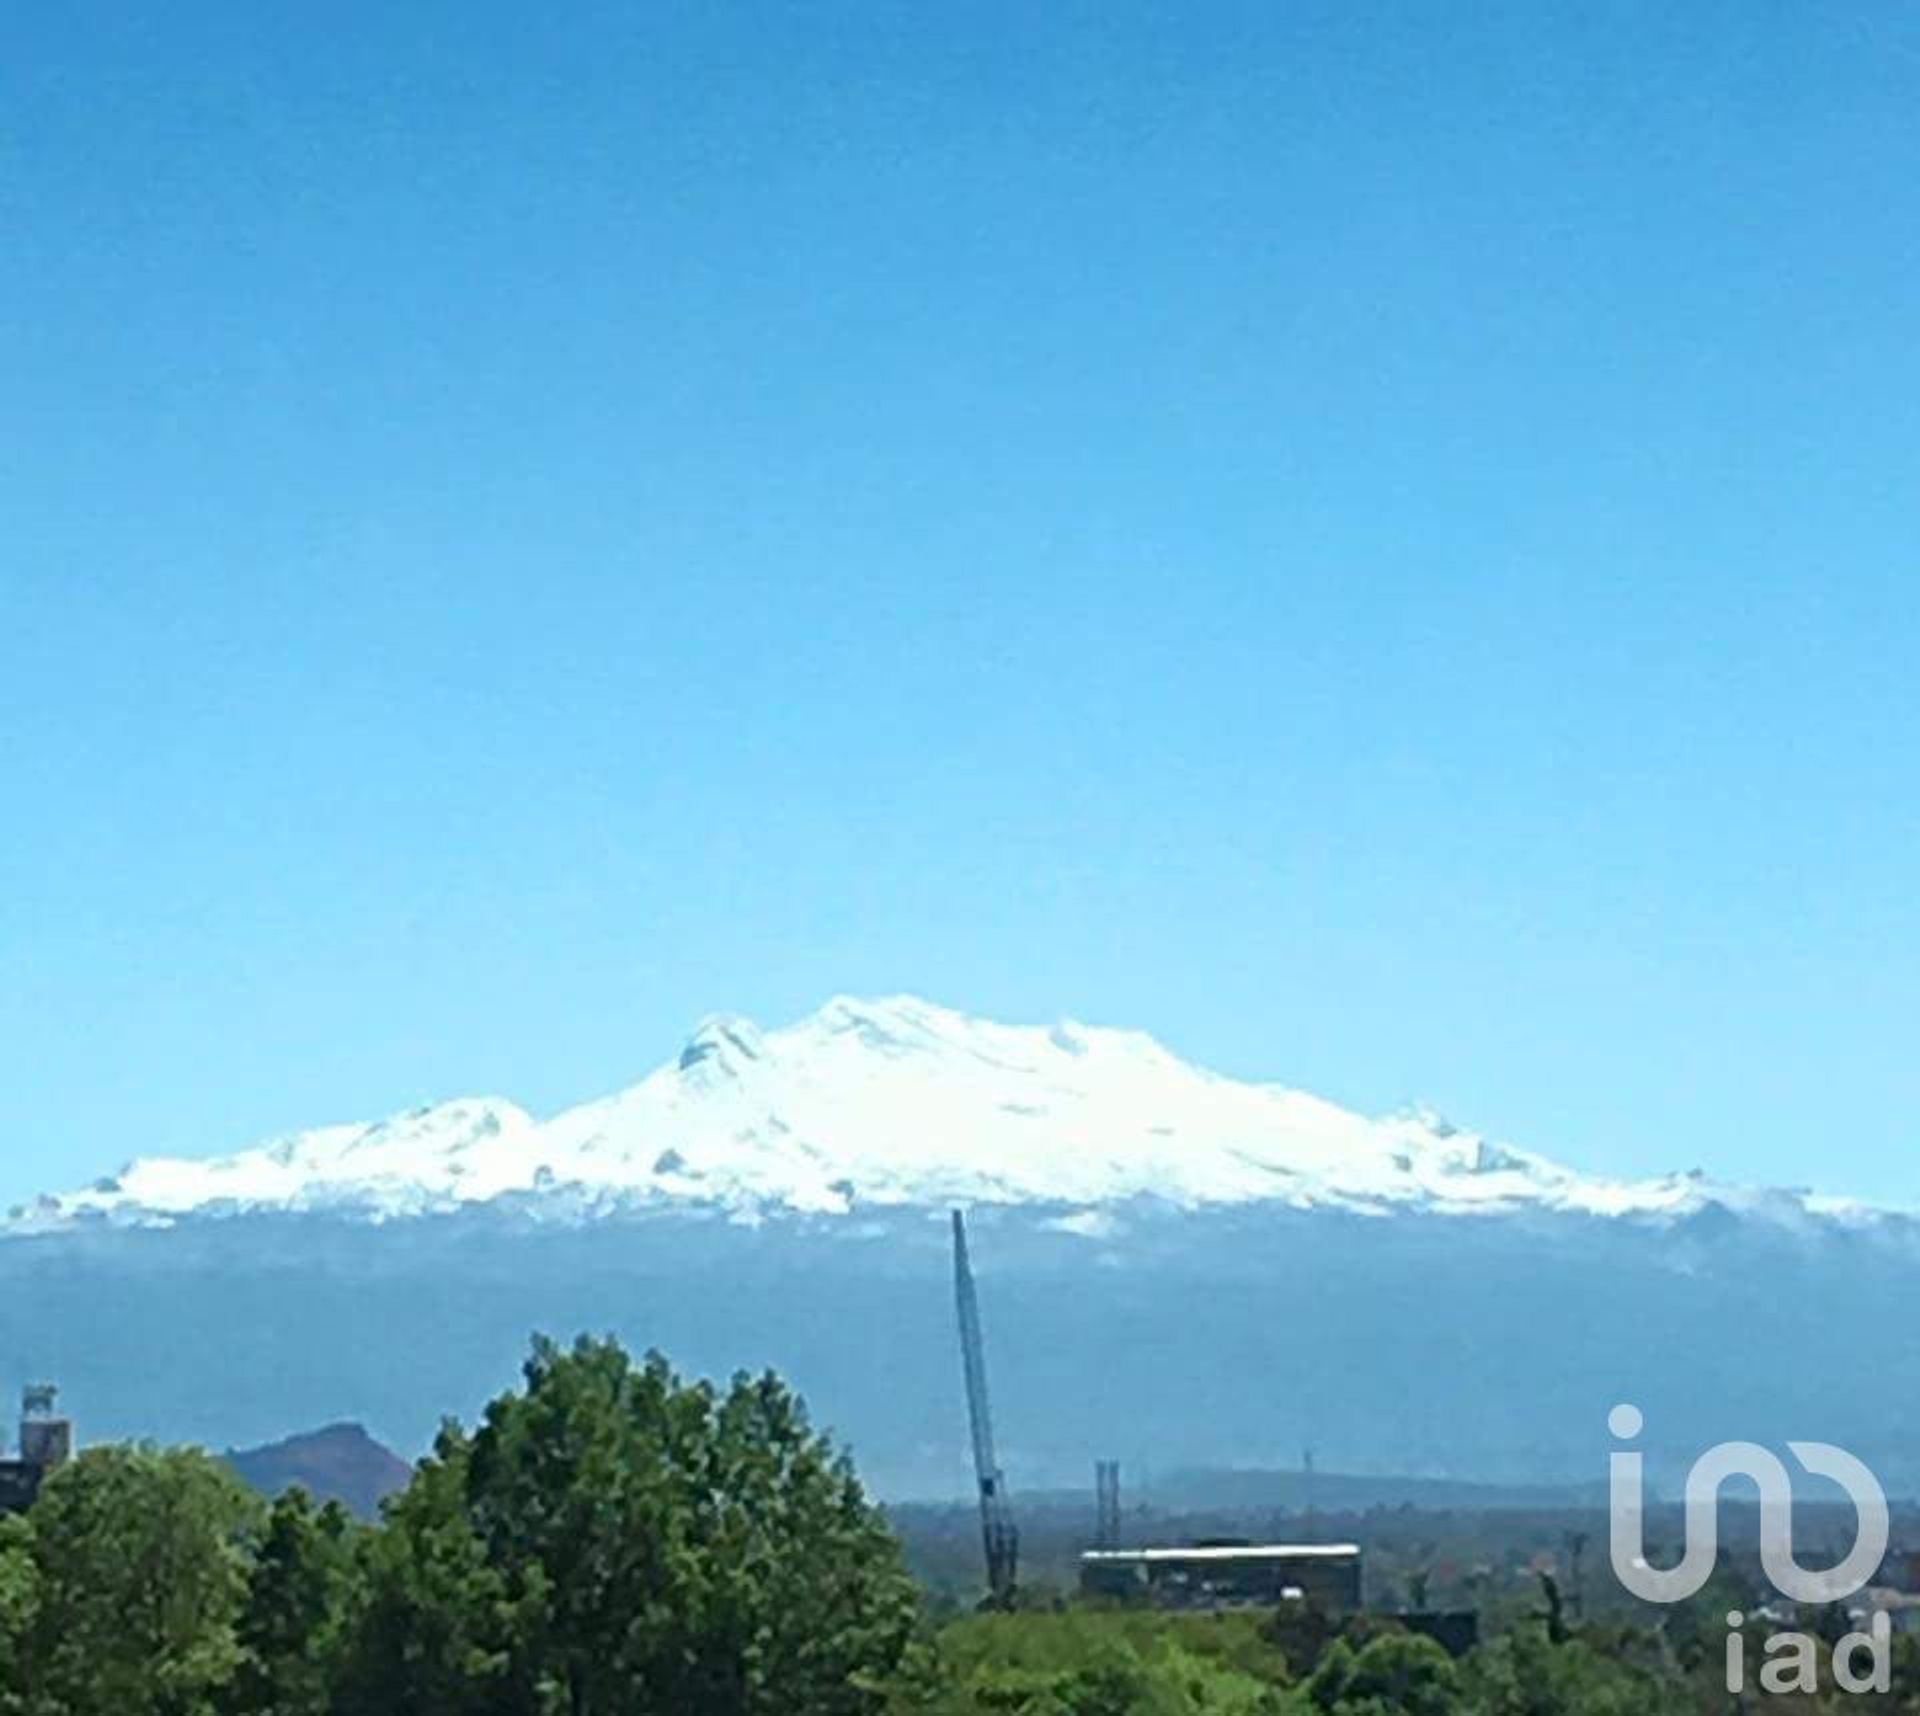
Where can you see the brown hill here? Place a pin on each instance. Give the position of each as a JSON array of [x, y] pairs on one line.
[[340, 1463]]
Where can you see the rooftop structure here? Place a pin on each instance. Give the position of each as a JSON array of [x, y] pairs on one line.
[[46, 1444], [1228, 1575]]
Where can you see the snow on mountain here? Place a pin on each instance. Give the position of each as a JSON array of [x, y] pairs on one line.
[[890, 1102]]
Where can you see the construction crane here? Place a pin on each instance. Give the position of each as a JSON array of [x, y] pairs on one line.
[[998, 1535]]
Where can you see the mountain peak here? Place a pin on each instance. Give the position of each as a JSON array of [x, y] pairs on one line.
[[894, 1101], [341, 1462], [724, 1040]]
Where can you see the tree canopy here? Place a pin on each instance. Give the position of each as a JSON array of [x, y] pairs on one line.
[[613, 1539]]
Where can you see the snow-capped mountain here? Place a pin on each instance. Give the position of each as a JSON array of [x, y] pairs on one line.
[[886, 1103], [1175, 1267]]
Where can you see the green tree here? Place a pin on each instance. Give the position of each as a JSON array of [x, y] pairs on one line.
[[1089, 1664], [1395, 1674], [1525, 1673], [299, 1592], [430, 1633], [614, 1542], [19, 1598], [140, 1571]]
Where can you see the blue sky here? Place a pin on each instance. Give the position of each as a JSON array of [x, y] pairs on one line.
[[1375, 542]]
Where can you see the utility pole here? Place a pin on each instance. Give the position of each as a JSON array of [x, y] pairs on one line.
[[1576, 1553], [1106, 1491]]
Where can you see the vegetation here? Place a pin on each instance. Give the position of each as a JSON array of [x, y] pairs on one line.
[[613, 1541], [1089, 1663]]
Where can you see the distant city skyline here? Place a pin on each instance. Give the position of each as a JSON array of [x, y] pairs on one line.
[[1376, 546]]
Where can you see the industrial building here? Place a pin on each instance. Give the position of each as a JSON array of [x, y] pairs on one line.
[[46, 1444], [1228, 1575], [1221, 1574]]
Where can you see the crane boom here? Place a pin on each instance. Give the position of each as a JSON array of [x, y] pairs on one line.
[[999, 1538]]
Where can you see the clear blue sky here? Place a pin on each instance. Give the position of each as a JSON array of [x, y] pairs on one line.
[[1377, 542]]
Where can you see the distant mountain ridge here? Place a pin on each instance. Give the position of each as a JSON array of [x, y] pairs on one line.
[[895, 1103], [1299, 1492]]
